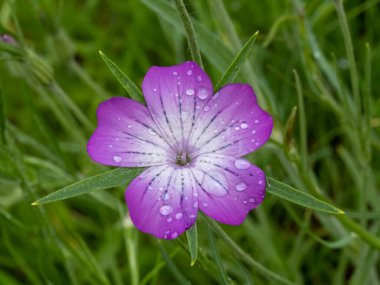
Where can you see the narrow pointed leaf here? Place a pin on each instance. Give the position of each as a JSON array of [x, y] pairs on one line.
[[2, 119], [293, 195], [192, 241], [109, 179], [133, 91], [237, 63]]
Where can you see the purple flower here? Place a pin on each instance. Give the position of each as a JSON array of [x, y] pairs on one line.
[[8, 39], [192, 142]]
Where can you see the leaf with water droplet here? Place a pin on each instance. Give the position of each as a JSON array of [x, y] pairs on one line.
[[109, 179], [293, 195]]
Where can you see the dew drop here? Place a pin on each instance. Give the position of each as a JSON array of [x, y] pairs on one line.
[[153, 133], [110, 146], [169, 220], [199, 78], [241, 163], [195, 205], [174, 235], [175, 73], [252, 200], [166, 210], [215, 183], [257, 121], [260, 182], [129, 126], [192, 216], [179, 83], [241, 186], [178, 216], [206, 108], [205, 204], [150, 187], [154, 89], [116, 158], [237, 128], [253, 132], [190, 91], [244, 125], [202, 93], [189, 72]]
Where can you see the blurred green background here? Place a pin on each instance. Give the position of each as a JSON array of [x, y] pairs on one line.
[[317, 78]]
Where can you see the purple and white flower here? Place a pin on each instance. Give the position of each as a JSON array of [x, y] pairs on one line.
[[192, 142]]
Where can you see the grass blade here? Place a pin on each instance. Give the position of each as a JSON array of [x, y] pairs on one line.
[[293, 195], [109, 179], [237, 63], [133, 91], [2, 118], [192, 241]]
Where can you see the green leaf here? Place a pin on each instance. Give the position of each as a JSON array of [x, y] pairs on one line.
[[109, 179], [133, 91], [293, 195], [192, 241], [236, 64], [2, 119]]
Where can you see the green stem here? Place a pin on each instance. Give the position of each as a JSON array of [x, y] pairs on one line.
[[190, 32], [243, 256], [350, 53]]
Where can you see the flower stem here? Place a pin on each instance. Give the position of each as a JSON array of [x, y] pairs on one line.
[[190, 32]]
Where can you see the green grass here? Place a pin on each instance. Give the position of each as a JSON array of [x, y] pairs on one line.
[[314, 66]]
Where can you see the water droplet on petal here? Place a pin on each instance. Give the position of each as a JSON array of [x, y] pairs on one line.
[[150, 187], [175, 73], [253, 132], [260, 182], [153, 133], [244, 125], [154, 89], [169, 220], [189, 72], [195, 205], [241, 186], [241, 163], [257, 121], [190, 91], [207, 108], [202, 93], [252, 200], [199, 78], [178, 216], [117, 158], [166, 210], [174, 235], [110, 146], [205, 204], [237, 128], [215, 183]]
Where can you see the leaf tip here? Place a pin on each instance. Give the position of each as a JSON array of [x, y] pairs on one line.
[[192, 262], [35, 203]]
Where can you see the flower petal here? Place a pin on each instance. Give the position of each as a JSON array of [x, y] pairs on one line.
[[163, 201], [228, 187], [126, 136], [231, 123], [175, 95]]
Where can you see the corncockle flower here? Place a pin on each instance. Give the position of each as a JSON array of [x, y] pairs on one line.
[[192, 142]]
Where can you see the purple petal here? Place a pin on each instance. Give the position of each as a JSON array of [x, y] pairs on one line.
[[228, 187], [126, 136], [163, 201], [231, 123], [175, 95]]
